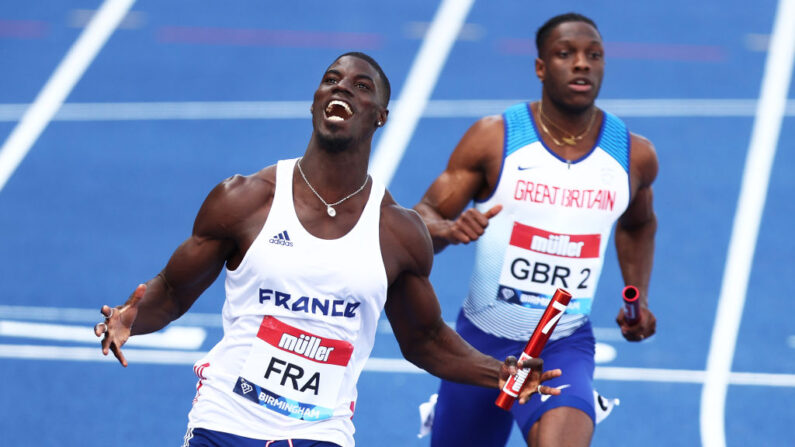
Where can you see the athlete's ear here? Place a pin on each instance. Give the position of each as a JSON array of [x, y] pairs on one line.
[[382, 116], [540, 69]]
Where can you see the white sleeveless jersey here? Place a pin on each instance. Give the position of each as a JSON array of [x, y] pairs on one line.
[[299, 323], [552, 232]]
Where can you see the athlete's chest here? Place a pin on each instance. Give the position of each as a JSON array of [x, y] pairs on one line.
[[535, 182]]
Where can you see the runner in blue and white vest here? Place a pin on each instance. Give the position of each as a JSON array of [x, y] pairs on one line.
[[549, 180]]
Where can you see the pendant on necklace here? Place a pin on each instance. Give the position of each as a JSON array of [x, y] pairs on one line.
[[331, 211], [569, 141]]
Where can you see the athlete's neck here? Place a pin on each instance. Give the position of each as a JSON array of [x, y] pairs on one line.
[[567, 119], [335, 173]]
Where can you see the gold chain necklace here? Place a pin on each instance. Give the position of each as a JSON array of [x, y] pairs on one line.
[[570, 140], [330, 206]]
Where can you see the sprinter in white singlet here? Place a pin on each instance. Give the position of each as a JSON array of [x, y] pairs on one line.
[[549, 179], [313, 250]]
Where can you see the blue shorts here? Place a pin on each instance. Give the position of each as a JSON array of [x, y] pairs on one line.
[[466, 414], [200, 437]]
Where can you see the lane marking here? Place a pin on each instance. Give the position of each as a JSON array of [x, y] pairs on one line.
[[134, 356], [24, 29], [60, 84], [377, 364], [92, 316], [605, 353], [458, 108], [133, 20], [202, 35], [745, 229], [177, 337], [603, 334], [418, 87]]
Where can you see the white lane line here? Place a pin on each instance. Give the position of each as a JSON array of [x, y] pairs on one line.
[[753, 191], [418, 87], [605, 353], [440, 108], [378, 364], [185, 110], [177, 337], [649, 375], [92, 316], [766, 379], [134, 356], [681, 107], [60, 84]]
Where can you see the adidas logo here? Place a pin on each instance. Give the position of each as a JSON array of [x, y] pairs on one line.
[[281, 239]]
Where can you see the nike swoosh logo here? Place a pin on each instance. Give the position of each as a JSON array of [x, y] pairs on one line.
[[544, 397], [525, 168]]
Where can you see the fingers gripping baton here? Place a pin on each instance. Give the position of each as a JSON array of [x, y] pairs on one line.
[[631, 304], [555, 308]]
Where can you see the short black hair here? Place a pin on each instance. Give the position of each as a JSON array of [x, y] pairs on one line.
[[545, 29], [387, 93]]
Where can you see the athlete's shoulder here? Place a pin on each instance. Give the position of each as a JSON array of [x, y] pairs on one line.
[[235, 198], [247, 188], [481, 143], [490, 124], [640, 141], [643, 158], [404, 237]]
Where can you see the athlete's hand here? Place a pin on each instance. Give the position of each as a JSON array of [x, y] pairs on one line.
[[644, 328], [534, 379], [117, 324], [470, 225]]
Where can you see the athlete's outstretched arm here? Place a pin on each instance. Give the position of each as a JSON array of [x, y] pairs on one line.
[[635, 236], [469, 175], [424, 338], [193, 267]]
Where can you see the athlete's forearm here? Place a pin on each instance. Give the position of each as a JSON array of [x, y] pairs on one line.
[[448, 356], [438, 226], [193, 267], [157, 308], [635, 249]]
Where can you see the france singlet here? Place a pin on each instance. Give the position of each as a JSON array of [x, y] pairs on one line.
[[552, 231], [299, 322]]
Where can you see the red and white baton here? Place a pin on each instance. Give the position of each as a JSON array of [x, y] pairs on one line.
[[631, 297], [555, 308]]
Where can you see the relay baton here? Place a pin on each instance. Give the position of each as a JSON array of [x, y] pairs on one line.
[[631, 304], [555, 308]]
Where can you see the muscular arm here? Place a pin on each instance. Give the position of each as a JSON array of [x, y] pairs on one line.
[[413, 310], [193, 267], [195, 264], [471, 173], [637, 226]]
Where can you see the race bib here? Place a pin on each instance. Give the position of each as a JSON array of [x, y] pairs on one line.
[[294, 372], [538, 262]]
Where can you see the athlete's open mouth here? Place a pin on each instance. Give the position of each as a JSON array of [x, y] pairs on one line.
[[337, 110], [580, 85]]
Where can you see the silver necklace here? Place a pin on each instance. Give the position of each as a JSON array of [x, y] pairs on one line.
[[329, 206]]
